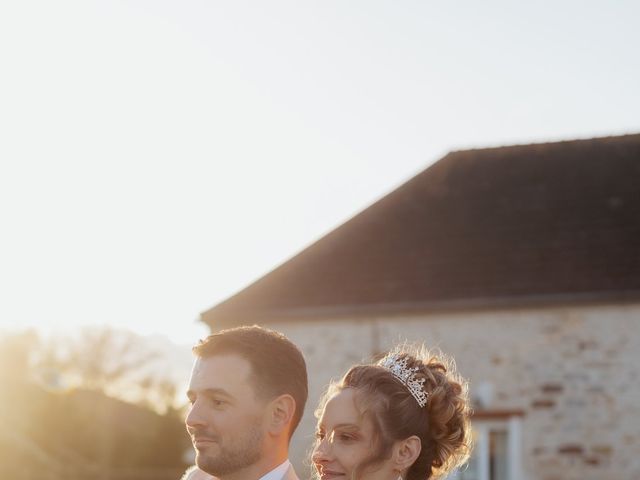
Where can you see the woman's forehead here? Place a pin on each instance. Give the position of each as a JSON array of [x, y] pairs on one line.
[[341, 409]]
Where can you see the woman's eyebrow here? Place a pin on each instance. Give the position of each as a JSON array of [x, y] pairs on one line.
[[347, 426]]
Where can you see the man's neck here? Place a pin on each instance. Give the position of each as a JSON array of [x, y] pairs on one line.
[[260, 468]]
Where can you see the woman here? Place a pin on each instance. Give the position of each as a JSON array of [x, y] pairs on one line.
[[404, 417]]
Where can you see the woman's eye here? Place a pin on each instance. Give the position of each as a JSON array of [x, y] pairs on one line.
[[218, 403], [345, 437]]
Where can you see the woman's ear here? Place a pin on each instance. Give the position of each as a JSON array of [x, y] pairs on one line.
[[406, 452], [281, 411]]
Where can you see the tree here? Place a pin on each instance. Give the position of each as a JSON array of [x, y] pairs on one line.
[[82, 432]]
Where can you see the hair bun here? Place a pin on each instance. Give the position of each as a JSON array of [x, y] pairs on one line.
[[448, 411]]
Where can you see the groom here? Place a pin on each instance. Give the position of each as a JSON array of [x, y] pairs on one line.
[[247, 392]]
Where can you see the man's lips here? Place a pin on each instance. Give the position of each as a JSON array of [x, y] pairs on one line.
[[203, 441]]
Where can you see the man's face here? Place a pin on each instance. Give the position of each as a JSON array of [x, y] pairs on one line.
[[226, 421]]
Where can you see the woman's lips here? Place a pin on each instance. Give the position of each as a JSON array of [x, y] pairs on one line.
[[329, 474]]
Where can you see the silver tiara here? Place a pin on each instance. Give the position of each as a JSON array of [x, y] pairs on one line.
[[407, 376]]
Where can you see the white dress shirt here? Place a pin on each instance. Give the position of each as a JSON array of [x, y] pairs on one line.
[[278, 472]]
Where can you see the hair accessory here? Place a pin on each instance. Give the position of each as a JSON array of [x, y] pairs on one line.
[[407, 376]]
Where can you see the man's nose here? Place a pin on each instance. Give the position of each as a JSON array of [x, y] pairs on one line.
[[194, 416]]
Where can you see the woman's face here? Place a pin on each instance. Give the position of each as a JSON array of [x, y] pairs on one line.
[[345, 440]]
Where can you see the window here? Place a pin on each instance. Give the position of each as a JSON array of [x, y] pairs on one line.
[[497, 448]]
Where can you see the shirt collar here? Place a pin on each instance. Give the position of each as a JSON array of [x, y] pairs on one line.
[[278, 472]]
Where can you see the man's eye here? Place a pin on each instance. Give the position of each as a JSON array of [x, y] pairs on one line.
[[218, 403]]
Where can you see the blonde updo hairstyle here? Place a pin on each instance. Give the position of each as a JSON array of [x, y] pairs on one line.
[[442, 424]]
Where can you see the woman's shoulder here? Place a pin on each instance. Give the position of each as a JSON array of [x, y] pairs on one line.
[[194, 473]]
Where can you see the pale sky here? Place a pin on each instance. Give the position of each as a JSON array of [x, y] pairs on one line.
[[157, 156]]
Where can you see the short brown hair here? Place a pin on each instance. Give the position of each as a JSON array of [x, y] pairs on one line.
[[277, 365], [442, 425]]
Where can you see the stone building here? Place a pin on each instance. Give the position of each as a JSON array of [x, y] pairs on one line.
[[522, 262]]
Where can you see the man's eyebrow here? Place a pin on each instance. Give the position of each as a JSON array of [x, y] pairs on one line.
[[210, 392]]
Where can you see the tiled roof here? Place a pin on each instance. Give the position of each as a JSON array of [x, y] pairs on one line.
[[553, 222]]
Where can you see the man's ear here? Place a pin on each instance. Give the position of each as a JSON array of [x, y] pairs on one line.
[[281, 411], [406, 452]]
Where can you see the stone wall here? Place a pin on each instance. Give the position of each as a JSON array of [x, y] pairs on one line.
[[574, 371]]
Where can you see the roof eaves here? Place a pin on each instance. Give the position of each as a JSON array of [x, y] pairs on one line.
[[218, 321]]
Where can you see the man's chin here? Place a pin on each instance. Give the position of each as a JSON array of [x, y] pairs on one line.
[[203, 460], [208, 464], [213, 458], [217, 466]]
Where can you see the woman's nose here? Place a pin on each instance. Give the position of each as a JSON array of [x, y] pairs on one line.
[[322, 452]]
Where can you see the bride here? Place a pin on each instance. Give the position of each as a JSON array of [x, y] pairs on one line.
[[405, 417]]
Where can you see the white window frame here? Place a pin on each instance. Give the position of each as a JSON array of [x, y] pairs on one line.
[[482, 427]]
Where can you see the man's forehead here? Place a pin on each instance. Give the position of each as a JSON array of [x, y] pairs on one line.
[[220, 371]]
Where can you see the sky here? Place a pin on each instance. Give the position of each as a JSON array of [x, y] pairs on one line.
[[157, 157]]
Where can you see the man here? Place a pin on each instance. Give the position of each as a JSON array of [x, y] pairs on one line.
[[247, 391]]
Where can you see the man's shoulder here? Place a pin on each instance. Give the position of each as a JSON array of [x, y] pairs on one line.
[[194, 473]]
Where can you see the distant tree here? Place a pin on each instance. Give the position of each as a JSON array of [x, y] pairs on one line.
[[116, 362], [99, 359], [82, 433], [16, 350]]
